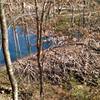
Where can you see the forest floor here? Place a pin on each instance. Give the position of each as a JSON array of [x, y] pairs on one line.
[[52, 92]]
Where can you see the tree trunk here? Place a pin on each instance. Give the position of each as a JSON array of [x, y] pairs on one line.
[[7, 54], [28, 38], [39, 26], [17, 46], [72, 19], [83, 17]]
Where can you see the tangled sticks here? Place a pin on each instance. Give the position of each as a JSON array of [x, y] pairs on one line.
[[61, 63]]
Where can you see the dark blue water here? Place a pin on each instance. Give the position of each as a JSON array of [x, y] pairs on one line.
[[24, 50]]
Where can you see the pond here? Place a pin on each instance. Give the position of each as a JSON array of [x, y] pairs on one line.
[[25, 47]]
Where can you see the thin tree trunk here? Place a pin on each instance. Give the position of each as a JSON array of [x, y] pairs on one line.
[[54, 12], [39, 26], [15, 41], [83, 17], [26, 30], [17, 46], [72, 19], [47, 15], [7, 54], [38, 48], [28, 38]]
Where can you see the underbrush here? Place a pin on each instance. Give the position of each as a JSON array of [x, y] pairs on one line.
[[52, 92]]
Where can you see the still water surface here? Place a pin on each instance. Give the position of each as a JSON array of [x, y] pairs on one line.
[[24, 50]]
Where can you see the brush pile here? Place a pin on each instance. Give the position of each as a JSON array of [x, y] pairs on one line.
[[61, 63]]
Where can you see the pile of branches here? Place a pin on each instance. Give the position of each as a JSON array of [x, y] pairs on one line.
[[60, 64]]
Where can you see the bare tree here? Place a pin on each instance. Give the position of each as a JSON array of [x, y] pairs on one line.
[[39, 27], [7, 54], [16, 40], [38, 47], [72, 8]]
